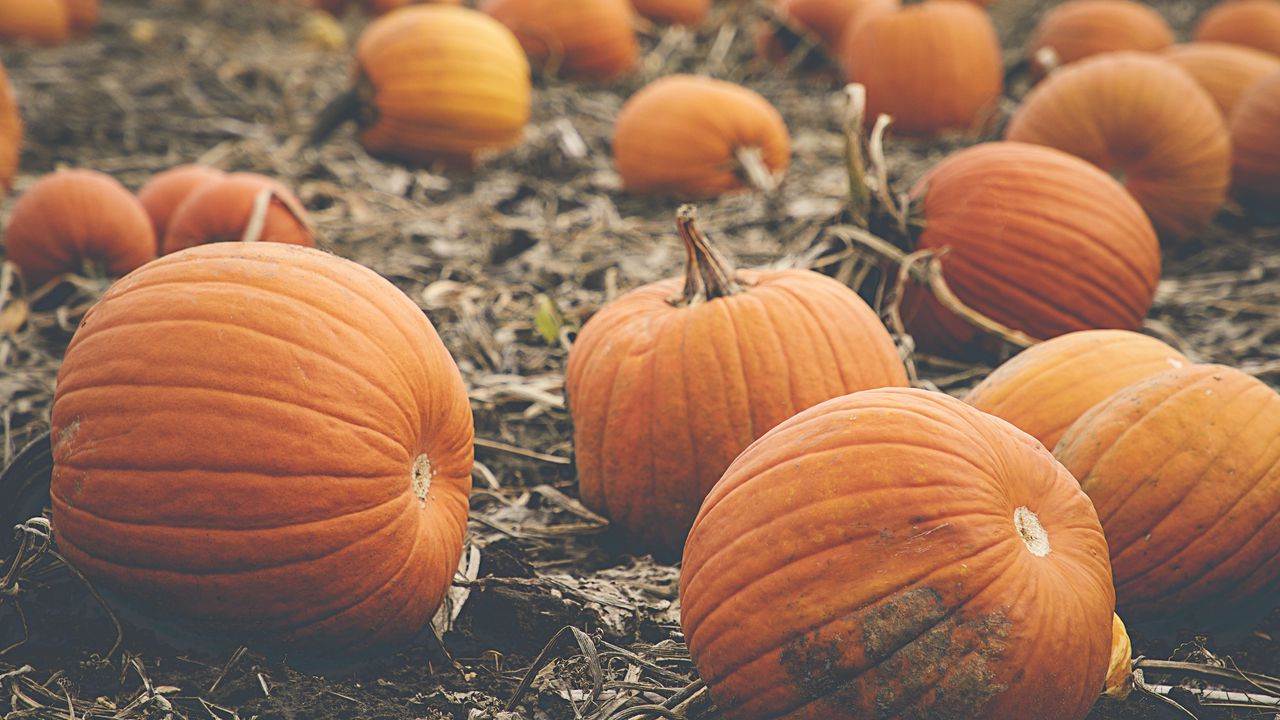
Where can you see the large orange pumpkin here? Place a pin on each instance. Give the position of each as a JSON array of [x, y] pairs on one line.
[[1225, 71], [1034, 238], [667, 385], [1252, 23], [1047, 387], [42, 21], [164, 192], [1081, 28], [1255, 140], [588, 39], [696, 137], [237, 207], [300, 435], [10, 132], [827, 20], [933, 67], [1143, 120], [897, 554], [1184, 469], [77, 221], [682, 12]]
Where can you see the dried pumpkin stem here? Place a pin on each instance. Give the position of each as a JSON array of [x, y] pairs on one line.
[[924, 266], [342, 109], [758, 175], [258, 216], [707, 275], [854, 156], [1048, 59]]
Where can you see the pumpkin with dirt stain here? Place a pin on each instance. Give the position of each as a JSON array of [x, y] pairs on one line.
[[1251, 23], [932, 67], [11, 133], [695, 137], [826, 20], [1146, 122], [267, 440], [666, 385], [47, 22], [77, 222], [1033, 238], [1184, 469], [165, 191], [585, 39], [679, 12], [234, 208], [1047, 387], [1079, 29], [1255, 140], [898, 554]]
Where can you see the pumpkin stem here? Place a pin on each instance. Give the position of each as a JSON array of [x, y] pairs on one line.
[[854, 158], [343, 108], [258, 216], [707, 275], [1048, 60], [758, 175]]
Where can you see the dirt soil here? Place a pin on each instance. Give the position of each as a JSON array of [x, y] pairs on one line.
[[488, 256]]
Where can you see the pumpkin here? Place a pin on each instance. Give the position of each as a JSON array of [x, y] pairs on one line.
[[10, 132], [1255, 139], [827, 20], [932, 67], [1082, 28], [1185, 473], [1225, 71], [586, 39], [671, 381], [1035, 239], [238, 207], [164, 192], [83, 15], [376, 7], [301, 436], [77, 221], [1047, 387], [435, 83], [898, 554], [696, 137], [1144, 121], [681, 12], [1252, 23], [43, 21]]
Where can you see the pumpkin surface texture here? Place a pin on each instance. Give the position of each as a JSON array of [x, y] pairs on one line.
[[77, 221], [10, 132], [164, 192], [1251, 23], [898, 554], [240, 207], [1081, 28], [587, 39], [1037, 240], [267, 440], [667, 385], [682, 12], [42, 21], [1255, 139], [1225, 71], [1184, 469], [826, 20]]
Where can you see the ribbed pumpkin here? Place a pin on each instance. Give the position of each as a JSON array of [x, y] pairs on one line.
[[301, 437], [164, 192], [77, 221], [1081, 28], [435, 83], [1184, 469], [42, 21], [10, 132], [83, 15], [667, 385], [1225, 71], [828, 20], [1047, 387], [587, 39], [682, 12], [896, 554], [1255, 140], [238, 207], [1143, 120], [933, 67], [694, 137], [1036, 239], [1252, 23]]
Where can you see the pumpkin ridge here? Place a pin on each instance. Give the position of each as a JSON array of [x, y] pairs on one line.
[[739, 353], [815, 339], [695, 456], [777, 344]]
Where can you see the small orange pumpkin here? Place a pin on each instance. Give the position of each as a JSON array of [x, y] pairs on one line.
[[76, 221], [164, 192], [1047, 387], [1078, 29], [588, 39], [43, 21], [898, 554], [680, 12], [83, 15], [696, 137], [932, 67], [302, 438], [238, 207], [667, 386], [1184, 470], [1144, 120], [10, 133], [828, 20], [1252, 23], [1225, 71], [1255, 140]]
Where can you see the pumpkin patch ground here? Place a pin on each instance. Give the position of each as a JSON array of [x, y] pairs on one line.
[[548, 616]]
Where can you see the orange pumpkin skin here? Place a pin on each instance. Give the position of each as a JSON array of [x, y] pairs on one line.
[[220, 210], [73, 218], [1225, 71], [446, 83], [1185, 473], [1038, 240], [680, 12], [1255, 139], [10, 133], [376, 7], [828, 20], [680, 136], [83, 15], [165, 191], [864, 559], [47, 22], [586, 39], [1082, 28], [1138, 116], [932, 67], [1047, 387], [302, 436], [1252, 23]]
